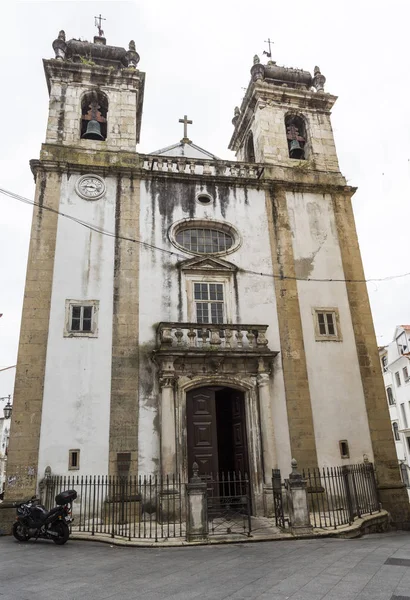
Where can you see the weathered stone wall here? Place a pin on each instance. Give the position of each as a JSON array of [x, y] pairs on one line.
[[392, 492], [124, 408], [31, 362], [298, 401], [69, 83]]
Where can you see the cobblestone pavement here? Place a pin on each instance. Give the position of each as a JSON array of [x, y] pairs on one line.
[[376, 567]]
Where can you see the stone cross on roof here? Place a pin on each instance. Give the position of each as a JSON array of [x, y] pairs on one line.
[[186, 122]]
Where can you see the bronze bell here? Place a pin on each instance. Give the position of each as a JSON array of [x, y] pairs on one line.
[[93, 131], [296, 150]]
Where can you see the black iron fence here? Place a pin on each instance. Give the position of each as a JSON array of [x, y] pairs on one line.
[[146, 507], [338, 495], [229, 504]]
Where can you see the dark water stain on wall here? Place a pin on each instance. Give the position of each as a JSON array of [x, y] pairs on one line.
[[117, 246], [43, 185], [236, 292], [61, 115]]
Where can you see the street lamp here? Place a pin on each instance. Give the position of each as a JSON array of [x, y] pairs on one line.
[[8, 408]]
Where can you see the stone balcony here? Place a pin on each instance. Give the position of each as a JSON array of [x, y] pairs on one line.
[[198, 338]]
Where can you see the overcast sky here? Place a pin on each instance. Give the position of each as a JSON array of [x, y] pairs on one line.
[[197, 57]]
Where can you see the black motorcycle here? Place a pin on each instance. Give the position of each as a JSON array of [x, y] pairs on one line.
[[35, 521]]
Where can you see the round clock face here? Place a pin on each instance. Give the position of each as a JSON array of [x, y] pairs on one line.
[[90, 187]]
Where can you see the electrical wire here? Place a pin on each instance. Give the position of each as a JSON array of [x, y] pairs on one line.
[[182, 256]]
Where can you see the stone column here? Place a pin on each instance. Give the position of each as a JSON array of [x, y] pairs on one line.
[[296, 492], [197, 509], [168, 434], [268, 437]]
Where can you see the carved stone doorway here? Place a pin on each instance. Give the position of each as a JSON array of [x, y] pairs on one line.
[[216, 431]]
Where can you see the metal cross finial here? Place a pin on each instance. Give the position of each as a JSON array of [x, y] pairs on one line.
[[269, 42], [97, 23], [186, 122]]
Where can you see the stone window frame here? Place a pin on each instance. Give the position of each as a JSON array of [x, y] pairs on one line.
[[320, 337], [204, 195], [209, 277], [223, 226], [68, 332], [296, 114], [71, 453]]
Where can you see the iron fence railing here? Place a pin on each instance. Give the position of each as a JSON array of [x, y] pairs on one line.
[[146, 507], [338, 495], [229, 504]]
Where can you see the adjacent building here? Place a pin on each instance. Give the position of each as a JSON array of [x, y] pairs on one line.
[[4, 442], [395, 364], [181, 308]]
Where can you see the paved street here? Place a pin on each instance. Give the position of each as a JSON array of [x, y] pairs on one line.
[[298, 570]]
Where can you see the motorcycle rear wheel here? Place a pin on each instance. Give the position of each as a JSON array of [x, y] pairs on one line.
[[63, 533], [20, 532]]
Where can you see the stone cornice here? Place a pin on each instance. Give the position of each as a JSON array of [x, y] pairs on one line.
[[68, 159]]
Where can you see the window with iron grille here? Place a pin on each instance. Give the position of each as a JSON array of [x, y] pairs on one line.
[[209, 302], [203, 240], [396, 432], [326, 324]]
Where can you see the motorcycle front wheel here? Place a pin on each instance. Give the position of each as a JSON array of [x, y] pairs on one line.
[[63, 533], [20, 532]]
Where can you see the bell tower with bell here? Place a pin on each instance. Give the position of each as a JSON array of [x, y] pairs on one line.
[[85, 171], [284, 118], [96, 95]]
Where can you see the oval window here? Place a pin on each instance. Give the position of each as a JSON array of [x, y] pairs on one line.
[[203, 240]]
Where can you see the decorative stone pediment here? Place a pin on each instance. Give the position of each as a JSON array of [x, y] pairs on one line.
[[207, 263]]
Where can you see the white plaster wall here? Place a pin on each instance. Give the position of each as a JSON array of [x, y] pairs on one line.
[[76, 403], [160, 299], [338, 404]]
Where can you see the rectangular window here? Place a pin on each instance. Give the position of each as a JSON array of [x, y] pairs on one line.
[[396, 431], [73, 460], [404, 416], [344, 449], [209, 302], [398, 381], [384, 363], [81, 318], [405, 374], [327, 327], [390, 396]]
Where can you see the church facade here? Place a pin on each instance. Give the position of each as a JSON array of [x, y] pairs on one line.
[[180, 308]]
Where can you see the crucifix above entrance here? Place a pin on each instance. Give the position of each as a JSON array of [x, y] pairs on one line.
[[186, 122]]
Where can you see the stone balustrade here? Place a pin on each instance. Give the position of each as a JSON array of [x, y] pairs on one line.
[[200, 337], [196, 166]]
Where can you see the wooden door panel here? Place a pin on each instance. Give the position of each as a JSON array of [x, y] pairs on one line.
[[201, 431], [239, 433]]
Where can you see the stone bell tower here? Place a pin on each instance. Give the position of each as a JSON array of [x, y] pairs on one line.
[[283, 124], [285, 116], [84, 171]]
